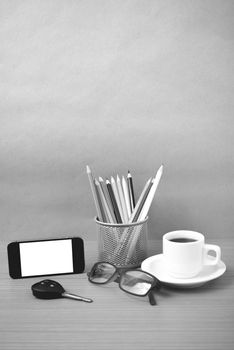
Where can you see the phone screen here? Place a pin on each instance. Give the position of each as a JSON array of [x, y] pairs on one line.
[[46, 257]]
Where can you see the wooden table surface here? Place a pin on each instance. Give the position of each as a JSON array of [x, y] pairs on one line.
[[201, 318]]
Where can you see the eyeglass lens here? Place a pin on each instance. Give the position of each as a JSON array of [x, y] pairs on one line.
[[136, 282], [102, 273]]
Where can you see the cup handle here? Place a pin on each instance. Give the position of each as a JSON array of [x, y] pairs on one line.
[[216, 249]]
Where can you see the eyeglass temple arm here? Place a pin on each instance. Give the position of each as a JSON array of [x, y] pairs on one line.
[[151, 294], [152, 299]]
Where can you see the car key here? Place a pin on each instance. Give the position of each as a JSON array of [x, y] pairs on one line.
[[49, 289]]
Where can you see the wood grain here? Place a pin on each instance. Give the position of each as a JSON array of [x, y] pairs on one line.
[[201, 318]]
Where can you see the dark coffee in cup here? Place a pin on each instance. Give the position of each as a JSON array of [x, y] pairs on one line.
[[182, 240]]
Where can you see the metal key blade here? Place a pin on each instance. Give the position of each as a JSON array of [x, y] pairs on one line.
[[76, 297]]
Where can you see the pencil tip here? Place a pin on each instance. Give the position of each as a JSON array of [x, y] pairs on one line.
[[87, 168], [159, 172]]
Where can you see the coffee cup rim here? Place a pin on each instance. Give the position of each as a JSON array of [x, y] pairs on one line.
[[199, 237]]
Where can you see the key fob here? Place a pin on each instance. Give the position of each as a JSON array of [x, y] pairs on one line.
[[47, 289]]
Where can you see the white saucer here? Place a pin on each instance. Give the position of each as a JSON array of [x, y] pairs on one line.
[[156, 267]]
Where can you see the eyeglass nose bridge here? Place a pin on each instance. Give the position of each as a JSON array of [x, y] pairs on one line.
[[117, 275], [119, 271]]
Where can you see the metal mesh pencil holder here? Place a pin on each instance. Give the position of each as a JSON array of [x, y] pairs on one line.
[[124, 245]]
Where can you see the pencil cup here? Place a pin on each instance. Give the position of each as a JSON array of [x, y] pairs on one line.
[[124, 245]]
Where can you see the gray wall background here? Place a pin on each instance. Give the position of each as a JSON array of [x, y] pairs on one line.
[[117, 85]]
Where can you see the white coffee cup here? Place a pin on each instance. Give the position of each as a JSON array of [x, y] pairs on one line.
[[185, 253]]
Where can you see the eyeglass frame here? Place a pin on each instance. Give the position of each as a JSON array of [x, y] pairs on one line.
[[119, 272]]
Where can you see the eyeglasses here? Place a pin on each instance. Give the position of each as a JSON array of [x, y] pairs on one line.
[[132, 281]]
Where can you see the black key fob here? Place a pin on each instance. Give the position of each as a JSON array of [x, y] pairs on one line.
[[47, 289]]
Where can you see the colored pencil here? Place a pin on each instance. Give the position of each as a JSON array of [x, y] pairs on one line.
[[141, 201], [151, 194], [113, 201], [107, 197], [126, 196], [122, 199], [104, 202], [94, 193], [144, 212], [104, 215], [115, 190], [131, 190]]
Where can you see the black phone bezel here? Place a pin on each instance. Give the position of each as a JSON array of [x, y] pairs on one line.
[[14, 262]]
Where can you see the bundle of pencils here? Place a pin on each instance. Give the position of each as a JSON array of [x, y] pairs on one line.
[[115, 200]]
